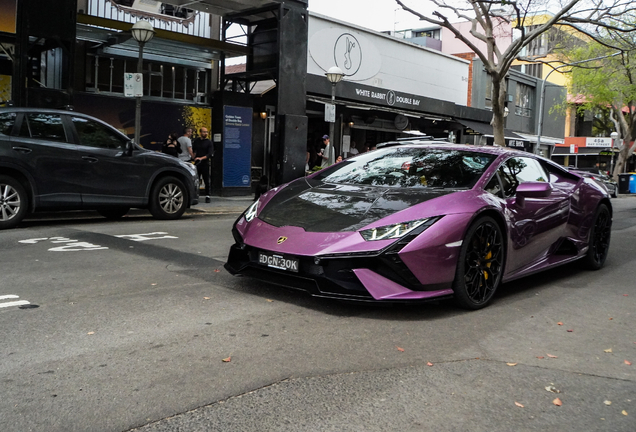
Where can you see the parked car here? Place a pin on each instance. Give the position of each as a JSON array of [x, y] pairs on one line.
[[64, 160], [422, 221], [600, 176]]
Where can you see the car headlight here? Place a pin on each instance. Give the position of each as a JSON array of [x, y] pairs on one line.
[[250, 213], [393, 231]]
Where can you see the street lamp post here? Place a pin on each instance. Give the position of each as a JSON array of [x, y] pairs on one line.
[[334, 75], [614, 136], [142, 32]]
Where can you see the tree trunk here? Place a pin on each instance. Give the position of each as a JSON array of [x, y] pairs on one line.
[[498, 104]]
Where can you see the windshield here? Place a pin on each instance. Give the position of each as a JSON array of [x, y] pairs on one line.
[[411, 168]]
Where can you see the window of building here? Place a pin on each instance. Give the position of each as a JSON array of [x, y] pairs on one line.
[[524, 100], [106, 75]]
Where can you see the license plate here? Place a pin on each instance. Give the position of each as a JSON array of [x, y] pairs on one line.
[[278, 262]]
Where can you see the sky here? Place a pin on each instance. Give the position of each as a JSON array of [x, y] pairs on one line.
[[379, 15]]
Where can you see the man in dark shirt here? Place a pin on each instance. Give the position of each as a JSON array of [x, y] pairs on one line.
[[203, 152]]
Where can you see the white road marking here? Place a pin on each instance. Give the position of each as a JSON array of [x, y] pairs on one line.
[[77, 246], [15, 303], [12, 303], [147, 236], [33, 241]]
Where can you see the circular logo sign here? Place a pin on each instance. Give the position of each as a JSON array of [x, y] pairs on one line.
[[347, 53], [246, 179], [390, 97]]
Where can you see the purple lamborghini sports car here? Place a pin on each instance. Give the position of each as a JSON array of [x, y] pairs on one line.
[[422, 221]]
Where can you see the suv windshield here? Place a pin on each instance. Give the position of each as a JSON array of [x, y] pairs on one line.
[[411, 168]]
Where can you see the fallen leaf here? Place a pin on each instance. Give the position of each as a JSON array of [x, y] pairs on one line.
[[271, 301], [557, 402], [206, 298], [570, 331], [607, 402], [511, 364], [90, 333], [519, 405], [628, 363], [400, 349], [552, 389], [624, 412], [540, 357], [227, 360], [559, 323], [429, 364], [609, 350], [611, 319], [552, 356]]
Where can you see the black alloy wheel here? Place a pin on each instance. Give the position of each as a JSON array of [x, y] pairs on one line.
[[168, 199], [113, 213], [13, 202], [480, 264], [600, 235]]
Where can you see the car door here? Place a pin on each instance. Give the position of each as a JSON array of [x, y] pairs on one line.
[[111, 176], [43, 149], [536, 223]]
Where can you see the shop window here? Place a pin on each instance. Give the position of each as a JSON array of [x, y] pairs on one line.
[[524, 100]]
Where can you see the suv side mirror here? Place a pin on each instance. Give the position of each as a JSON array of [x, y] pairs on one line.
[[130, 146]]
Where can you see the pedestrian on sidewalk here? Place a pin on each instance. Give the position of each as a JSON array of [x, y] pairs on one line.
[[171, 146], [185, 141], [203, 153]]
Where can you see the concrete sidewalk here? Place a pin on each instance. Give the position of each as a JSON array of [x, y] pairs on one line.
[[222, 205]]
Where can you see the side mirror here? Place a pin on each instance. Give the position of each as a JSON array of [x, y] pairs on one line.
[[532, 190], [130, 146]]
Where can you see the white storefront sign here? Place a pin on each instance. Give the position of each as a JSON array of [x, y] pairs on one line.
[[598, 142]]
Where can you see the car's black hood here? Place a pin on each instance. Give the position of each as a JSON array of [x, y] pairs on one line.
[[324, 207]]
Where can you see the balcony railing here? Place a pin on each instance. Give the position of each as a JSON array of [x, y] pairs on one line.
[[194, 23]]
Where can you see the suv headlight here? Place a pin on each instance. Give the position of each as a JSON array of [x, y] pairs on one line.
[[395, 231], [251, 211]]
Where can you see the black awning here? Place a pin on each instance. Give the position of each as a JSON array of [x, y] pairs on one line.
[[486, 129]]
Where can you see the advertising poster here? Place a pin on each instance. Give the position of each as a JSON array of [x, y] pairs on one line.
[[237, 146], [7, 15]]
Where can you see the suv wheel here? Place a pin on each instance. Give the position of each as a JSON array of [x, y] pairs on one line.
[[13, 202], [168, 198]]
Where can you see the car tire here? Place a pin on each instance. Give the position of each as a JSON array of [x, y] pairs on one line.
[[113, 213], [600, 235], [14, 202], [168, 199], [480, 264]]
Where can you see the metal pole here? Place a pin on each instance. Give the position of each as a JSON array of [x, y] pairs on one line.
[[332, 125], [138, 103]]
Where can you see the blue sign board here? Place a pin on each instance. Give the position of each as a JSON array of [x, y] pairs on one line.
[[237, 146]]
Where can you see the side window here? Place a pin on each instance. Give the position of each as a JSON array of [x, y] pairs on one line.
[[43, 126], [520, 170], [494, 187], [7, 120], [95, 134]]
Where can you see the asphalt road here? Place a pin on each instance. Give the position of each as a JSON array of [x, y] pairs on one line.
[[134, 319]]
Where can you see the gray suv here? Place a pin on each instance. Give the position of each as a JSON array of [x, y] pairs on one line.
[[64, 160]]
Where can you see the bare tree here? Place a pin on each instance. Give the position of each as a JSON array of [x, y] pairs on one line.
[[486, 16]]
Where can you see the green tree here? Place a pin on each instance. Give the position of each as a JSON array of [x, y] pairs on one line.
[[609, 83], [488, 18]]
